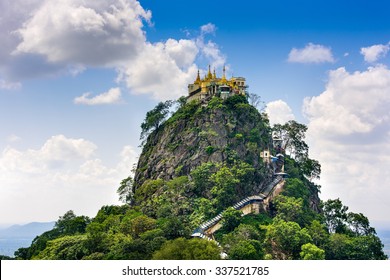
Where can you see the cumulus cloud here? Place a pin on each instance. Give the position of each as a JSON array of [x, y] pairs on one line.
[[12, 14], [42, 37], [352, 103], [373, 53], [164, 69], [71, 35], [311, 53], [156, 71], [98, 32], [66, 174], [279, 112], [183, 52], [113, 96], [349, 133], [56, 152]]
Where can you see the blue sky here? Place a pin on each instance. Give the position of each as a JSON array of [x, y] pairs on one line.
[[77, 78]]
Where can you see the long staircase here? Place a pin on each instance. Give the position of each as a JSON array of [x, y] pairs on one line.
[[207, 229]]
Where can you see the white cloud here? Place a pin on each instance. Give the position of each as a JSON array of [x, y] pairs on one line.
[[71, 35], [279, 112], [12, 14], [210, 50], [311, 53], [349, 133], [57, 152], [156, 72], [48, 38], [165, 69], [209, 28], [183, 52], [112, 96], [69, 31], [352, 103], [373, 53], [63, 174]]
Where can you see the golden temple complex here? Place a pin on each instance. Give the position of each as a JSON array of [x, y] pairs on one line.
[[211, 85]]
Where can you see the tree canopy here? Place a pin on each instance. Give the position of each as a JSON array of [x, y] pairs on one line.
[[160, 213], [155, 117]]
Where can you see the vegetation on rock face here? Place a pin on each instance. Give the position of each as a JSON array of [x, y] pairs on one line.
[[221, 131], [155, 118], [196, 164]]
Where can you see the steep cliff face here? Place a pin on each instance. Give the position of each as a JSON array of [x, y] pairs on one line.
[[218, 132], [227, 134]]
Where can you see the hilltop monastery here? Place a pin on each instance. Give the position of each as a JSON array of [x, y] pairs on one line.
[[211, 85]]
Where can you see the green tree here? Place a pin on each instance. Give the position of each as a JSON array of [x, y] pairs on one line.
[[335, 214], [201, 177], [231, 218], [224, 187], [292, 135], [203, 210], [231, 182], [232, 101], [188, 249], [22, 254], [339, 247], [344, 247], [65, 248], [145, 192], [290, 209], [318, 233], [312, 252], [155, 117], [125, 190], [155, 238], [241, 233], [284, 239], [174, 227], [117, 248], [2, 257], [367, 247], [141, 224], [295, 187], [311, 168], [37, 245], [255, 101], [181, 101], [71, 224], [245, 250], [359, 224]]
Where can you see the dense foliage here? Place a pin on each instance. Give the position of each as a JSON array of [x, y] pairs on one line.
[[160, 214]]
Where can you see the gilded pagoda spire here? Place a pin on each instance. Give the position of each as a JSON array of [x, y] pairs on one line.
[[223, 80], [209, 75], [197, 81]]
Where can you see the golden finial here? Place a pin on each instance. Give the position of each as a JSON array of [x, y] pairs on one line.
[[223, 80], [214, 75], [197, 81], [209, 75]]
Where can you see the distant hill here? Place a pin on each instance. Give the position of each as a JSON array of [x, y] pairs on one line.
[[26, 231], [18, 236]]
